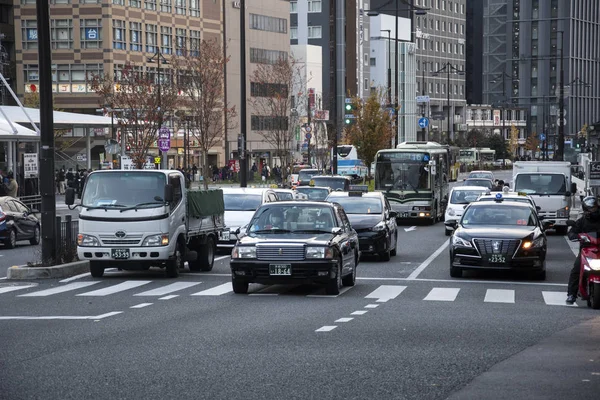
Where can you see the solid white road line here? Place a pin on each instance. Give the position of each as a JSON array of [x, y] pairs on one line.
[[13, 288], [499, 296], [216, 291], [59, 289], [442, 294], [361, 312], [426, 263], [344, 320], [142, 305], [385, 292], [326, 328], [173, 287], [556, 299], [115, 288], [172, 296], [75, 277], [61, 317], [574, 246], [221, 258]]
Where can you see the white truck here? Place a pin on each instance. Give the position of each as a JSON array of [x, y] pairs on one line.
[[549, 185], [135, 219]]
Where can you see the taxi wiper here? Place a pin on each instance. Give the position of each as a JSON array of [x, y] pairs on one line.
[[274, 230], [151, 203]]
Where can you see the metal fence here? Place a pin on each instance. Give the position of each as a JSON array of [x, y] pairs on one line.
[[66, 239]]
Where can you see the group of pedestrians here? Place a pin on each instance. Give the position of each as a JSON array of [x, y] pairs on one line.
[[73, 179]]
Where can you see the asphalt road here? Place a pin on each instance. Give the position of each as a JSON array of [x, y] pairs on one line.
[[405, 331]]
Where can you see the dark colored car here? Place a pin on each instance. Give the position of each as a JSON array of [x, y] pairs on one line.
[[373, 220], [17, 222], [291, 242], [305, 175], [335, 182], [486, 183], [314, 193], [498, 236]]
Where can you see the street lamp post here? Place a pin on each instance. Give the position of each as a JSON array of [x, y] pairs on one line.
[[448, 67], [424, 106], [243, 110], [160, 59], [389, 66]]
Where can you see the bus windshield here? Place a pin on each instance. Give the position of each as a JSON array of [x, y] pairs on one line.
[[402, 175]]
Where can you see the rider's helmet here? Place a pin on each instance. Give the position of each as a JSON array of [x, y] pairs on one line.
[[590, 206]]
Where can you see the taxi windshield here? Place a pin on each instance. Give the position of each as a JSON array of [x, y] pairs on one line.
[[359, 205], [313, 193], [273, 219], [332, 182], [465, 196], [492, 215]]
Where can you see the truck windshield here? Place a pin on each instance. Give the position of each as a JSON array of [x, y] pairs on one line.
[[120, 189], [544, 184]]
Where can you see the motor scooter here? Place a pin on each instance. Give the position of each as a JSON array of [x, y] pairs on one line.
[[589, 274]]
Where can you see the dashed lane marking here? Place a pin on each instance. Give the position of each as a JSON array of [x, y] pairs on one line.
[[499, 296], [326, 328]]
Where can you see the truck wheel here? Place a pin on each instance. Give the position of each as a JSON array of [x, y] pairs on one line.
[[177, 262], [96, 269], [334, 285], [206, 255], [594, 301], [239, 286]]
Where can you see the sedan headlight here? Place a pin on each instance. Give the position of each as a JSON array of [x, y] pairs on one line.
[[319, 252], [531, 244], [84, 240], [379, 227], [156, 240], [460, 242], [562, 213], [243, 252], [451, 212]]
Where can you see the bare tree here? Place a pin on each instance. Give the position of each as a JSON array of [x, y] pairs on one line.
[[144, 99], [272, 95], [202, 85]]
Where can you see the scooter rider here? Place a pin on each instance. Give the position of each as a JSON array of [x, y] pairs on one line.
[[589, 222]]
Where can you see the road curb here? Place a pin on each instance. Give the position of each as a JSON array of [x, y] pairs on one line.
[[54, 272]]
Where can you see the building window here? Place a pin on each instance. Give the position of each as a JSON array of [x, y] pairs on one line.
[[373, 61], [437, 25], [315, 32], [31, 73], [151, 36], [314, 6], [135, 3], [180, 41], [118, 2], [264, 123], [67, 78], [89, 1], [135, 36], [268, 89], [194, 8], [366, 84], [462, 8], [119, 33], [437, 87], [195, 37], [29, 33], [264, 56], [444, 26], [180, 7], [462, 29], [293, 7], [150, 5], [91, 33], [293, 32], [443, 88], [443, 47], [165, 6], [266, 23], [166, 39], [61, 31]]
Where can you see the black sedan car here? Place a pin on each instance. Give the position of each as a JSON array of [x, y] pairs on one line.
[[17, 222], [373, 219], [291, 242], [498, 236]]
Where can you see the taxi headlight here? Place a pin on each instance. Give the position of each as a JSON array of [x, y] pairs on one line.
[[156, 240], [87, 240], [319, 252], [533, 244], [243, 252], [451, 212], [379, 227], [460, 242]]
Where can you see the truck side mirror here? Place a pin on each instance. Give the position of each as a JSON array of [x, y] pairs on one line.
[[70, 196], [573, 188], [168, 193]]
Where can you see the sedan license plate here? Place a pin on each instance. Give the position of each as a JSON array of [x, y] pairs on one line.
[[404, 215], [120, 254], [225, 235], [496, 259], [280, 269]]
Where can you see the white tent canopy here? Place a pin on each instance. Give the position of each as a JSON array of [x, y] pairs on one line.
[[62, 120], [23, 134]]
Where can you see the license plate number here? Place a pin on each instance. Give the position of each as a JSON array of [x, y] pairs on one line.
[[120, 254], [225, 235], [280, 269], [404, 215], [497, 259]]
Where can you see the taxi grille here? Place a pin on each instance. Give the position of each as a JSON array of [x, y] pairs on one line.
[[280, 253], [506, 247]]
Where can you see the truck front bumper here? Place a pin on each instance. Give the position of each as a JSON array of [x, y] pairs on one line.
[[135, 254]]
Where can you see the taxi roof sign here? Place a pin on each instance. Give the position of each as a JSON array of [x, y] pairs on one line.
[[359, 188]]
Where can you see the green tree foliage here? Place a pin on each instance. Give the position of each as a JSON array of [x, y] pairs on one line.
[[476, 138], [496, 142], [372, 127]]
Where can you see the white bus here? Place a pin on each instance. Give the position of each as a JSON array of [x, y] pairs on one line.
[[414, 179], [349, 164], [476, 155]]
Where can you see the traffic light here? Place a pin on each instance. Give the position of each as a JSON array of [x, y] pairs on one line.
[[349, 110], [127, 148]]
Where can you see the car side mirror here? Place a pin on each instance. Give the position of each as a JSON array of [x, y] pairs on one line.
[[538, 208], [570, 222], [70, 196], [451, 224], [573, 187], [336, 231], [237, 231], [168, 193], [393, 214]]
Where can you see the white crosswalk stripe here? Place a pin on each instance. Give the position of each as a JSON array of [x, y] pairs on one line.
[[442, 294], [556, 299], [173, 287], [59, 289], [216, 291], [8, 289], [385, 292], [121, 287], [499, 296]]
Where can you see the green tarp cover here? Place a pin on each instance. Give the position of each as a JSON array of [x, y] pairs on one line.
[[205, 203]]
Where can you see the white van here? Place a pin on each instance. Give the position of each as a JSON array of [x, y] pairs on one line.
[[459, 197]]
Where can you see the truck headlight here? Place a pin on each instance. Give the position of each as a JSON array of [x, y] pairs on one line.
[[84, 240], [379, 227], [460, 242], [156, 240], [319, 252], [562, 213], [243, 252], [451, 212]]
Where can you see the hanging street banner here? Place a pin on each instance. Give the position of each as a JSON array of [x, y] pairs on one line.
[[164, 139]]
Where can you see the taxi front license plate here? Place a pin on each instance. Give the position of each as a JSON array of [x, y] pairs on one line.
[[119, 254], [496, 259], [280, 269], [225, 235], [404, 215]]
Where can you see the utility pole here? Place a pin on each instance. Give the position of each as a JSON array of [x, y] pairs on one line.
[[308, 129], [423, 130], [243, 125], [396, 111], [47, 185], [340, 77], [560, 146]]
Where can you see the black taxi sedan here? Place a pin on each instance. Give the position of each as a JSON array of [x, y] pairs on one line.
[[373, 219], [292, 242], [498, 235]]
